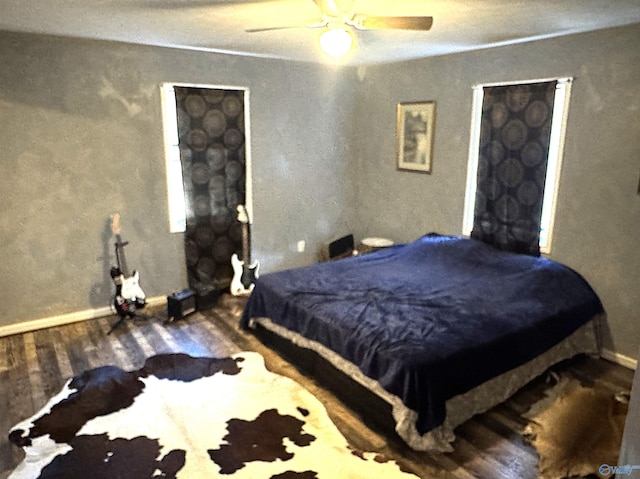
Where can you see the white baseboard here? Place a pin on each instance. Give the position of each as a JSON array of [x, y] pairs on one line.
[[53, 321], [620, 359]]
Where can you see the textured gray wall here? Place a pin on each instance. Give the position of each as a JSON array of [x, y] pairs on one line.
[[80, 140], [81, 136], [597, 227]]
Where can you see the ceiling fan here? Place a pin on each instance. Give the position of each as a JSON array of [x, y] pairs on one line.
[[338, 15]]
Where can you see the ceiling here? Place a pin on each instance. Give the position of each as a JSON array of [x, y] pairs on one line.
[[219, 25]]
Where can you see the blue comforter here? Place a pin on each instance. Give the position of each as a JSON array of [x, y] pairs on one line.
[[431, 319]]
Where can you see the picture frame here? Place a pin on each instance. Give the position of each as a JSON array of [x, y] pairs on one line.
[[415, 129]]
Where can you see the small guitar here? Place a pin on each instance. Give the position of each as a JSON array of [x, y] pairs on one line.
[[245, 272], [129, 295]]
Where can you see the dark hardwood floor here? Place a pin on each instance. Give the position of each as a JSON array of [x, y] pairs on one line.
[[35, 365]]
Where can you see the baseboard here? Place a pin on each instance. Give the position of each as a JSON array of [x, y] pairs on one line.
[[62, 319], [620, 359]]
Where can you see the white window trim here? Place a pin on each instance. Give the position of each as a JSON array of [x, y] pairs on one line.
[[554, 163], [472, 168], [173, 165]]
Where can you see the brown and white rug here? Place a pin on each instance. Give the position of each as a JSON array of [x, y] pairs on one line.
[[186, 417], [576, 429]]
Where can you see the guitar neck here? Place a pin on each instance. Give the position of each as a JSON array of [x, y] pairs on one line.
[[120, 257], [246, 246]]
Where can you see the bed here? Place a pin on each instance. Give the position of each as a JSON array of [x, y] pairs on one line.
[[441, 328]]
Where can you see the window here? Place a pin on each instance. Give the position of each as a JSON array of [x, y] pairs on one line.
[[554, 157], [175, 188]]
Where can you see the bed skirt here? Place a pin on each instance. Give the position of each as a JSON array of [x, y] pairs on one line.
[[459, 409]]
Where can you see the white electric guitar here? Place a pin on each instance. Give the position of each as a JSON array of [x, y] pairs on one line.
[[129, 295], [245, 272]]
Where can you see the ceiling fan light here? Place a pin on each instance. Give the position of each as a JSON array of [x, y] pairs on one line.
[[336, 42]]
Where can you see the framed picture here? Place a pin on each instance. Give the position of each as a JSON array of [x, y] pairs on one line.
[[416, 123]]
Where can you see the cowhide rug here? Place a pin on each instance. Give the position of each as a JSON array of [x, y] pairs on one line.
[[576, 429], [186, 417]]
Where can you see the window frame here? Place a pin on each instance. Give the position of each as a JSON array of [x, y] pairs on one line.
[[554, 160], [176, 205]]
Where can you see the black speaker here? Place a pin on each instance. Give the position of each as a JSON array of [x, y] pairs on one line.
[[181, 304], [341, 247]]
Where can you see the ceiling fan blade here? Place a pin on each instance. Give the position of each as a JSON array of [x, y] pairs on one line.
[[287, 27], [270, 29], [328, 7], [366, 22]]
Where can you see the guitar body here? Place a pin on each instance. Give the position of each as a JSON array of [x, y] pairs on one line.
[[129, 295], [130, 288], [245, 272], [244, 276]]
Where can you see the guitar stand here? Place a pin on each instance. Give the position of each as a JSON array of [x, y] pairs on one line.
[[125, 315], [119, 322]]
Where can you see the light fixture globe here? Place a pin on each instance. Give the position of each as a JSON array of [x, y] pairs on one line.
[[336, 42]]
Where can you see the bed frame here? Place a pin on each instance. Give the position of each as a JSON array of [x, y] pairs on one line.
[[373, 404]]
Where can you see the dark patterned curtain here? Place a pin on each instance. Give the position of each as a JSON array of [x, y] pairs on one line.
[[512, 165], [212, 152]]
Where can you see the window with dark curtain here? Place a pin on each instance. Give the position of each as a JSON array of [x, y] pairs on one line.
[[212, 150], [512, 165]]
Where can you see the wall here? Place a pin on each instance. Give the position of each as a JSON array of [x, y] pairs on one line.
[[81, 138], [597, 223]]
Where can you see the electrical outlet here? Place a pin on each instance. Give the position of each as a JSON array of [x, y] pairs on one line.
[[301, 246]]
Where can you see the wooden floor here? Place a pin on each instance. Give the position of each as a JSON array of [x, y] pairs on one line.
[[34, 366]]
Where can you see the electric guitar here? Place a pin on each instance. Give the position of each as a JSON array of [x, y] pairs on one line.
[[129, 295], [245, 272]]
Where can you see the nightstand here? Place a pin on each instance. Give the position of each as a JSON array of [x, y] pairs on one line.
[[368, 245]]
